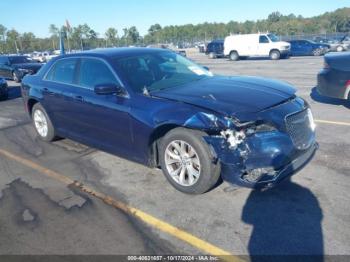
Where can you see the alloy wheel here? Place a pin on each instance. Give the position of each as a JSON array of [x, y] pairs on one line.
[[182, 163], [40, 123]]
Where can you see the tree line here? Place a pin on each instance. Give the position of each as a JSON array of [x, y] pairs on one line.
[[84, 37]]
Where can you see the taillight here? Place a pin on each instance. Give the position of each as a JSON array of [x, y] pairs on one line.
[[347, 83]]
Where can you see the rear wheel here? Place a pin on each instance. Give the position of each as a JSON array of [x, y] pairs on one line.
[[234, 56], [186, 161], [275, 55], [42, 123], [317, 52]]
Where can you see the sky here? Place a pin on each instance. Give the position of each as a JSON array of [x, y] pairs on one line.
[[36, 15]]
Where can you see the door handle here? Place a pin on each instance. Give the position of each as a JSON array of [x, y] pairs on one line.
[[79, 98]]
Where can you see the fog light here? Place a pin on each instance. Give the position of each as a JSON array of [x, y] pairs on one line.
[[254, 175]]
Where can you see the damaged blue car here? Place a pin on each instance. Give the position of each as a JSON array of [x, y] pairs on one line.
[[160, 109]]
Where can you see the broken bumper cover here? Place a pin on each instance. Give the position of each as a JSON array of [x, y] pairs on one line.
[[269, 177], [263, 161]]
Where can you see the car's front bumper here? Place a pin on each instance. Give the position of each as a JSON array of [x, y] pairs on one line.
[[264, 158], [269, 175], [332, 84]]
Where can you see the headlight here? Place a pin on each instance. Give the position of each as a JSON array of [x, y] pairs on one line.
[[22, 70], [311, 120], [264, 127]]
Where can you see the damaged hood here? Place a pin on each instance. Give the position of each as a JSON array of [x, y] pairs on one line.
[[231, 95]]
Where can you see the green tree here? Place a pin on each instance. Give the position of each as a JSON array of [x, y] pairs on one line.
[[3, 31], [54, 35], [111, 36], [13, 40]]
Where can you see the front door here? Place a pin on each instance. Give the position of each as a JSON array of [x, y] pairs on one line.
[[101, 120], [264, 46]]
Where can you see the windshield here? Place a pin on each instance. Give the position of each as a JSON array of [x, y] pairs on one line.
[[158, 70], [19, 60], [273, 38]]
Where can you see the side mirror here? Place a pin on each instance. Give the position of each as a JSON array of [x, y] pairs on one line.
[[108, 89]]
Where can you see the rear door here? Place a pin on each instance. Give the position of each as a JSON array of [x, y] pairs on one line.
[[57, 89]]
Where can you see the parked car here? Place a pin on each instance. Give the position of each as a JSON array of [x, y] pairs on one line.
[[307, 47], [158, 108], [41, 57], [3, 89], [266, 45], [16, 67], [215, 49], [334, 44], [334, 79]]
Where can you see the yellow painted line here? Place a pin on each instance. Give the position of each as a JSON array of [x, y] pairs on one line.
[[332, 122], [165, 227]]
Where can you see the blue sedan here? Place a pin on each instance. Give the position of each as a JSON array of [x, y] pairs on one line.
[[307, 47], [160, 109]]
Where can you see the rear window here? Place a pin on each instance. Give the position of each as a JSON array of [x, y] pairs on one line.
[[63, 71]]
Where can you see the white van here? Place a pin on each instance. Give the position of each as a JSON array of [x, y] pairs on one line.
[[242, 46]]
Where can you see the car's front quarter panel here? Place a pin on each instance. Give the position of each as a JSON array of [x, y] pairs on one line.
[[151, 117]]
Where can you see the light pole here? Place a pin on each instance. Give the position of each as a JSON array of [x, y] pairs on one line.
[[62, 35]]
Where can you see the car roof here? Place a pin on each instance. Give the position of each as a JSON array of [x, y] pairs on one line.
[[117, 52]]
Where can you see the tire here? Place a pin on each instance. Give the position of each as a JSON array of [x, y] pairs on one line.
[[234, 56], [4, 97], [317, 52], [340, 48], [212, 55], [15, 77], [207, 172], [49, 134], [275, 55]]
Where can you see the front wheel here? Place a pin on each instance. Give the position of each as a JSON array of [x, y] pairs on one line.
[[187, 162], [15, 77], [275, 55], [212, 55], [340, 49], [42, 123]]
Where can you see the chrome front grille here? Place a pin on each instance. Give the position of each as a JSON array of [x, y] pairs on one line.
[[300, 127]]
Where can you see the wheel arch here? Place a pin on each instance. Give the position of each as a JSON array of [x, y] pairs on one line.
[[274, 49], [153, 145], [30, 104]]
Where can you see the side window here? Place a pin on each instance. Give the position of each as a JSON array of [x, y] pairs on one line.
[[263, 39], [94, 72], [3, 60], [63, 71]]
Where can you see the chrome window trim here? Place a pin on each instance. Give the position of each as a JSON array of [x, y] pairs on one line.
[[126, 95]]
